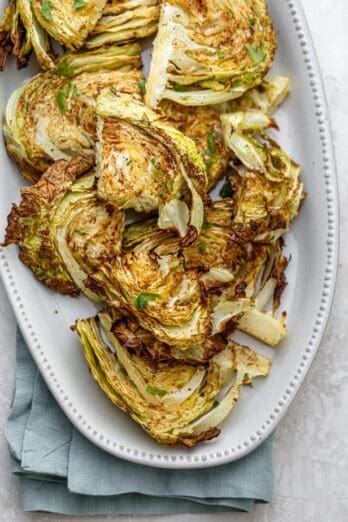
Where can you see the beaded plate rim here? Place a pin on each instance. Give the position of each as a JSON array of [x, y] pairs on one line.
[[267, 426]]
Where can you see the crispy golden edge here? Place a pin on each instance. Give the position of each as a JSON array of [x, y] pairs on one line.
[[51, 186]]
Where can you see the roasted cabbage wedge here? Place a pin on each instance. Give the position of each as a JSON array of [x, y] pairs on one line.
[[124, 21], [164, 297], [160, 284], [62, 230], [267, 194], [67, 21], [189, 299], [146, 164], [203, 124], [174, 403], [247, 298], [52, 116], [268, 189], [209, 52], [21, 33]]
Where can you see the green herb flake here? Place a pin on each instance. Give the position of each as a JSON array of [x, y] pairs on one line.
[[65, 90], [221, 54], [113, 90], [257, 54], [215, 404], [206, 224], [142, 86], [153, 161], [202, 246], [226, 191], [68, 91], [77, 4], [74, 91], [212, 143], [61, 100], [208, 165], [171, 185], [179, 88], [156, 391], [63, 69], [249, 78], [142, 300], [129, 162], [46, 9], [252, 22]]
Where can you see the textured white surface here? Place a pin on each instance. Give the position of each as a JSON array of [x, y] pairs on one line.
[[310, 453]]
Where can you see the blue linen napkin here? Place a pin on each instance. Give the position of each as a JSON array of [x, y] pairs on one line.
[[62, 472]]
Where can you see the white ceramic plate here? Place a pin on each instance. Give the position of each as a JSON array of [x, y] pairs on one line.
[[45, 317]]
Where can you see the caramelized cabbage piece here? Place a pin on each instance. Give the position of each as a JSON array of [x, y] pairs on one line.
[[131, 336], [145, 164], [67, 21], [52, 116], [173, 403], [124, 21], [229, 263], [209, 51], [164, 297], [203, 126], [267, 188], [62, 230], [21, 33]]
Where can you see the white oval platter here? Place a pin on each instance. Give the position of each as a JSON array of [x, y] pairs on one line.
[[45, 317]]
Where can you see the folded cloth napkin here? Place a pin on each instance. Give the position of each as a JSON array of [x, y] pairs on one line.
[[62, 472]]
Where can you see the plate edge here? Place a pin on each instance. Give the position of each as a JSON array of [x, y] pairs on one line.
[[298, 18]]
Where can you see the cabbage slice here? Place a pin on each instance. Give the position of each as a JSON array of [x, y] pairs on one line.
[[209, 52], [173, 403]]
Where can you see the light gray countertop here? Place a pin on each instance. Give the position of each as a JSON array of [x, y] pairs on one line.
[[311, 445]]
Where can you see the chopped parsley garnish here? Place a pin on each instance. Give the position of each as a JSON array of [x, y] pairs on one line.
[[215, 404], [221, 54], [69, 91], [142, 300], [74, 91], [208, 165], [77, 4], [113, 90], [206, 224], [63, 69], [257, 53], [129, 162], [179, 88], [249, 78], [46, 9], [252, 22], [61, 99], [156, 391], [226, 191], [142, 86], [212, 143], [202, 246], [153, 161]]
